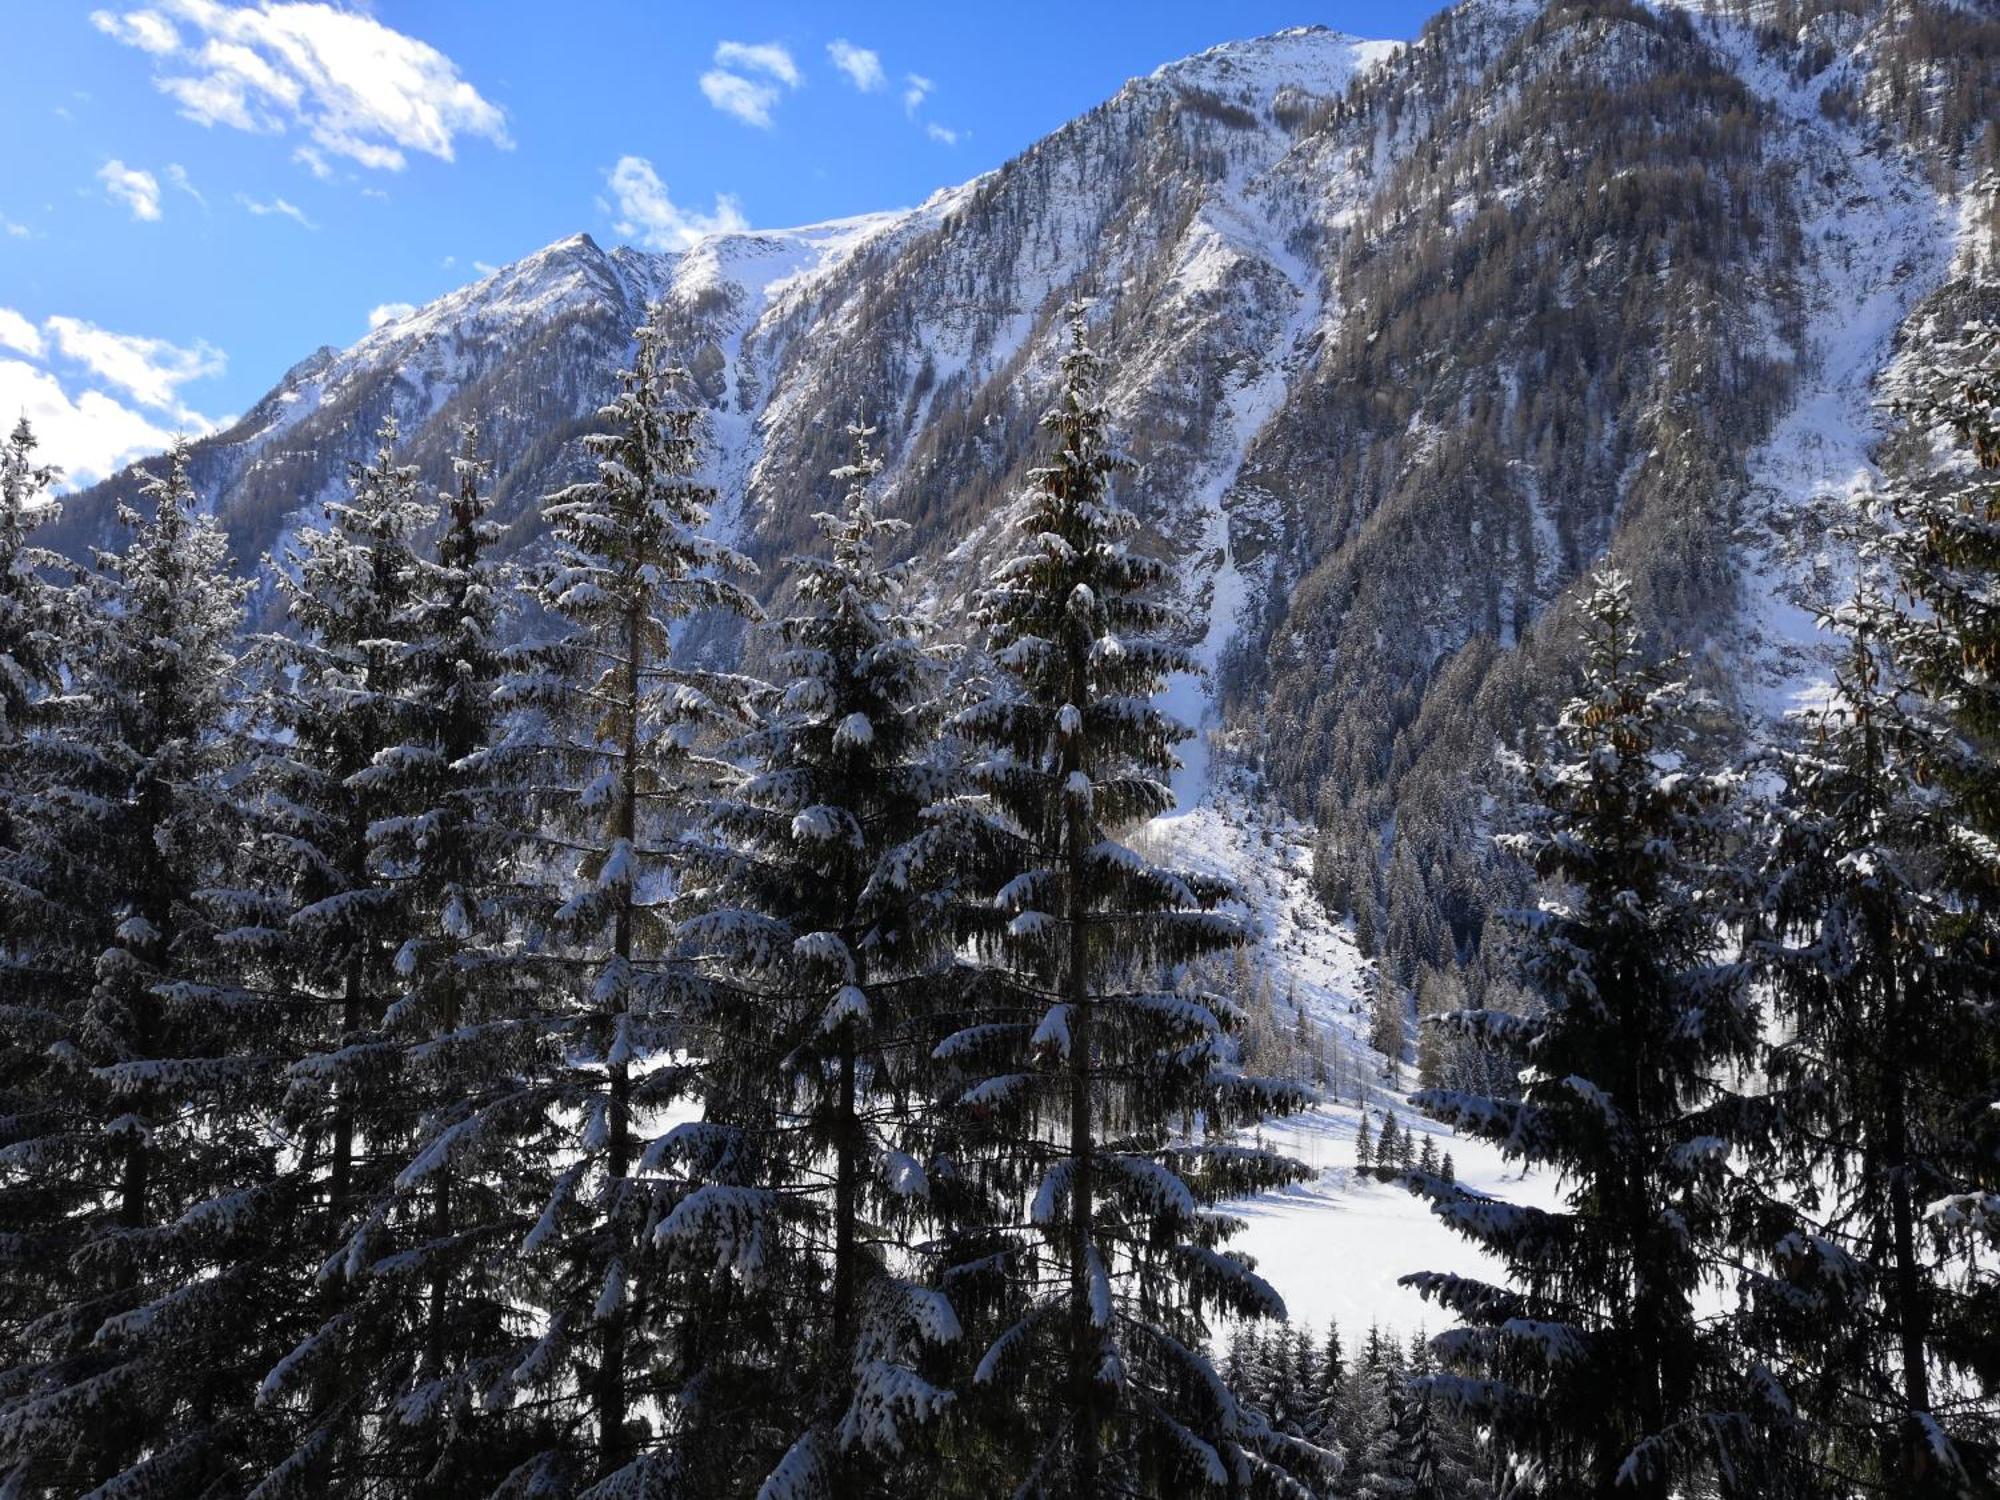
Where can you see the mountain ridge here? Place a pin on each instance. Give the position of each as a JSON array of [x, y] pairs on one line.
[[1406, 338]]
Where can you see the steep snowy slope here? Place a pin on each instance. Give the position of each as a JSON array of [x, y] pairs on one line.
[[1406, 339]]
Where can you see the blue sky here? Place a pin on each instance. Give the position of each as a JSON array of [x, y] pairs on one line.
[[200, 192]]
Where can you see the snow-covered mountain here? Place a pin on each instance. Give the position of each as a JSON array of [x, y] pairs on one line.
[[1406, 338]]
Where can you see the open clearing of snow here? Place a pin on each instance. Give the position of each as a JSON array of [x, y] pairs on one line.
[[1334, 1245]]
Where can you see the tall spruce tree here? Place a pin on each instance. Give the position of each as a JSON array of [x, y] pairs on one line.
[[1933, 1149], [826, 891], [154, 1188], [326, 936], [425, 1320], [1092, 1055], [37, 615], [1594, 1358], [32, 601], [607, 747]]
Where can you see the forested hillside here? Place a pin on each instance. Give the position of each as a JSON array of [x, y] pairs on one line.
[[1295, 799]]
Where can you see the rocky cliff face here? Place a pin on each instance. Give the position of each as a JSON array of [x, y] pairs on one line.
[[1406, 339]]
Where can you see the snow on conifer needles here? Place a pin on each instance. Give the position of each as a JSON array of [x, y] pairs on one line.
[[468, 1042]]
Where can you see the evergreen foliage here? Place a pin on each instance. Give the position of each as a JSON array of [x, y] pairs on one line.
[[144, 1189], [1087, 1057], [1594, 1359], [826, 904], [607, 749]]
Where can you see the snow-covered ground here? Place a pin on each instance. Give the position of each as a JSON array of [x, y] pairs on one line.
[[1878, 238], [1334, 1245]]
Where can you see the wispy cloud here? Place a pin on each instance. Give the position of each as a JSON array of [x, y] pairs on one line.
[[916, 89], [356, 88], [749, 99], [178, 176], [389, 312], [132, 188], [151, 371], [282, 207], [16, 332], [147, 30], [760, 57], [647, 214], [943, 134], [862, 65], [59, 384]]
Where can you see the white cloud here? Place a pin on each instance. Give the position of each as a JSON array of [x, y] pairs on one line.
[[356, 87], [647, 214], [178, 176], [750, 99], [916, 88], [136, 190], [862, 65], [313, 161], [90, 435], [93, 432], [147, 30], [150, 370], [943, 134], [486, 267], [280, 206], [760, 57], [16, 332], [747, 100], [389, 312]]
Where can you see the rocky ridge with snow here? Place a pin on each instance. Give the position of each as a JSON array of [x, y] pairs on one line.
[[1406, 339]]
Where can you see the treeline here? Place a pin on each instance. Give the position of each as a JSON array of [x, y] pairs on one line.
[[1375, 1406], [455, 1046]]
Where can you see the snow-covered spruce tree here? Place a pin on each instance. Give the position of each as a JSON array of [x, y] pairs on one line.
[[36, 611], [822, 903], [1089, 1058], [32, 601], [1594, 1358], [1851, 948], [1944, 1000], [606, 747], [1946, 555], [323, 936], [422, 1319], [156, 1297]]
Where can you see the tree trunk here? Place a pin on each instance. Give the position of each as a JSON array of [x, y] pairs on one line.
[[613, 1448], [1910, 1310], [1084, 1437]]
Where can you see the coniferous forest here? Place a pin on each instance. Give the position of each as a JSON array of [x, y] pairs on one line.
[[455, 1040]]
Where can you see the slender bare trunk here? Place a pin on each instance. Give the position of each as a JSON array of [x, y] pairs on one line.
[[613, 1446]]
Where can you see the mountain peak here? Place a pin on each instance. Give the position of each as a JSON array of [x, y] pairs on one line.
[[1315, 58]]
